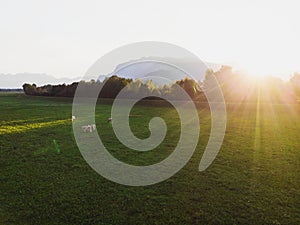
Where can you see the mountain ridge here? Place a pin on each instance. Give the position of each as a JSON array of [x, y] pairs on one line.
[[40, 79]]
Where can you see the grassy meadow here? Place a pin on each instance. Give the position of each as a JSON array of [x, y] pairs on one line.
[[255, 178]]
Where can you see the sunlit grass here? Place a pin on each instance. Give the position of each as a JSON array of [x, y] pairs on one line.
[[8, 129]]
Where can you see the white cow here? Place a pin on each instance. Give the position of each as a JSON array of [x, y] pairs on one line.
[[89, 128]]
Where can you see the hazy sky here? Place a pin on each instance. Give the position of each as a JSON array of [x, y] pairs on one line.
[[63, 38]]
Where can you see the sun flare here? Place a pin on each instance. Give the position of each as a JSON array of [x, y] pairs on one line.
[[260, 72]]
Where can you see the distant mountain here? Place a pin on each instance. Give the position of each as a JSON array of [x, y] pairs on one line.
[[172, 68], [17, 80], [144, 67]]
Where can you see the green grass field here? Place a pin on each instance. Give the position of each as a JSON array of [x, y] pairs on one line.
[[255, 179]]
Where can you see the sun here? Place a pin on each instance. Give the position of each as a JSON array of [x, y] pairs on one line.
[[262, 69], [258, 71]]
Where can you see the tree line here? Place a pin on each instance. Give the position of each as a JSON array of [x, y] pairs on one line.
[[111, 86], [236, 87]]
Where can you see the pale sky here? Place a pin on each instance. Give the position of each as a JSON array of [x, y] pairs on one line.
[[63, 38]]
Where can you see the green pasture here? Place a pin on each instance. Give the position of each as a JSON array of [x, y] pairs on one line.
[[255, 178]]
